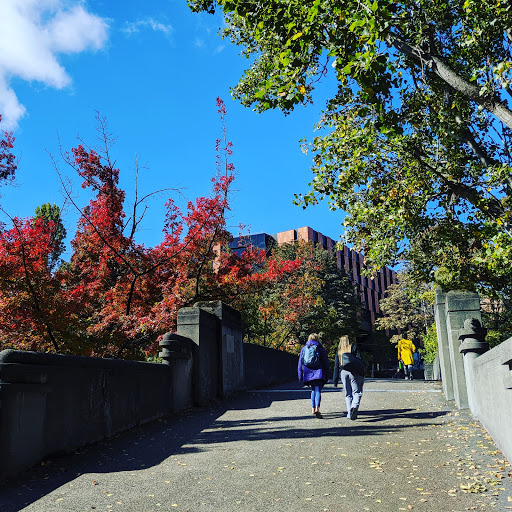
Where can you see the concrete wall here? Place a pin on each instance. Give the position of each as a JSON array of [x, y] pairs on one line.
[[51, 403], [266, 366], [491, 393]]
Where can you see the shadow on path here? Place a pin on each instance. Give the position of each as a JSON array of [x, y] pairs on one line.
[[139, 448], [150, 444]]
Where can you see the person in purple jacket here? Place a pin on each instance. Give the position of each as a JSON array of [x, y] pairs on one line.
[[313, 370]]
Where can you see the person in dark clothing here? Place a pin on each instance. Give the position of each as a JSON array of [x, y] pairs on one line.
[[313, 370]]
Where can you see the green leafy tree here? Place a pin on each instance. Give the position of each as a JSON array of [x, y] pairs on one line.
[[415, 146], [497, 316], [408, 307], [50, 213]]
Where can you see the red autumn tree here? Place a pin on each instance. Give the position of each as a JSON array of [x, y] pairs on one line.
[[116, 297], [33, 308]]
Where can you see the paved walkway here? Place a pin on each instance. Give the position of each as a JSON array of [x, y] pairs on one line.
[[409, 449]]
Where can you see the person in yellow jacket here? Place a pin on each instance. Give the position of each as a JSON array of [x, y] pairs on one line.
[[406, 350]]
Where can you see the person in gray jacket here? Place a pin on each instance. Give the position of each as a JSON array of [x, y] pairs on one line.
[[351, 376]]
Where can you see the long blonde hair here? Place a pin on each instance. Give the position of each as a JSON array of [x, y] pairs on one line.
[[345, 345]]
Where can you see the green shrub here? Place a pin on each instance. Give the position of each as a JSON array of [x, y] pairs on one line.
[[495, 337], [429, 351]]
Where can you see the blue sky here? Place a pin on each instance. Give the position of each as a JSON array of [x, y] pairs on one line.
[[153, 69]]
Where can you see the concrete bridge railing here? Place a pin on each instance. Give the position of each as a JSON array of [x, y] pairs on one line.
[[53, 403], [474, 376]]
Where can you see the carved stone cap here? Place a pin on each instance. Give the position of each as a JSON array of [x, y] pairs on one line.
[[472, 337], [175, 347]]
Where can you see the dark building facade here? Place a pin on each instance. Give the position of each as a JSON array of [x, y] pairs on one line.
[[260, 241]]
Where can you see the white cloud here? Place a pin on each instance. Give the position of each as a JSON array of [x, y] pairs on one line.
[[137, 26], [10, 107], [75, 30], [32, 34]]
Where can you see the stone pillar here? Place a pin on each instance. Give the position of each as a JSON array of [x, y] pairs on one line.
[[229, 339], [437, 368], [200, 326], [442, 341], [460, 306], [472, 338]]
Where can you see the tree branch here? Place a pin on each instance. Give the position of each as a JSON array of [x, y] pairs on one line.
[[445, 73]]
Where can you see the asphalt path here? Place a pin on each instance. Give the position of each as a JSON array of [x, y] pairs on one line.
[[409, 449]]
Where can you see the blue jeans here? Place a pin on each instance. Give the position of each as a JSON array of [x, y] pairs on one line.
[[316, 392], [353, 385]]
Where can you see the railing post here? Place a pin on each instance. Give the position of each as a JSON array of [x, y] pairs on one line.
[[443, 344], [176, 353], [460, 306], [472, 344]]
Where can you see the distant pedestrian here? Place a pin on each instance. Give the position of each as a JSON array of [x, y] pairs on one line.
[[313, 370], [349, 368], [406, 350], [417, 360]]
